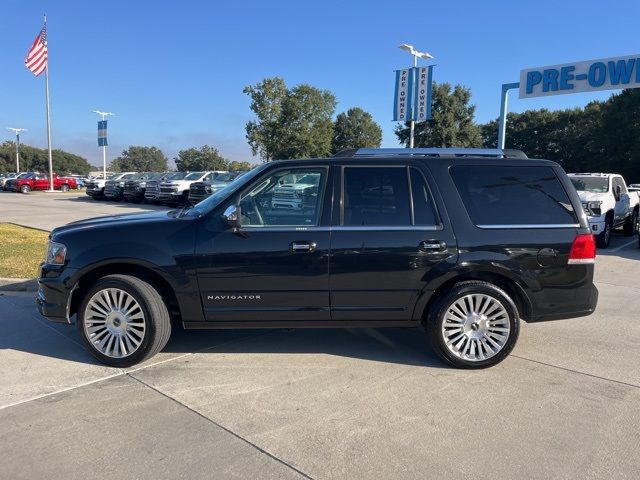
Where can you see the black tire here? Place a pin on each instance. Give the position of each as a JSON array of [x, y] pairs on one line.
[[25, 189], [156, 317], [437, 316], [630, 224], [64, 188], [604, 238]]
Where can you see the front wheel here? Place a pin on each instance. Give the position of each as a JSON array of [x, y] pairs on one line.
[[603, 239], [474, 325], [123, 320], [25, 189], [64, 188]]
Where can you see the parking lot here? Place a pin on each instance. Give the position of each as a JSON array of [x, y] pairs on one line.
[[357, 403]]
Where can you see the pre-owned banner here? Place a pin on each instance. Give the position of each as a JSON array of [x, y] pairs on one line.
[[403, 97], [422, 97], [102, 133]]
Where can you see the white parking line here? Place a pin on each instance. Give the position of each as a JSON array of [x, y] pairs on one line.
[[622, 246]]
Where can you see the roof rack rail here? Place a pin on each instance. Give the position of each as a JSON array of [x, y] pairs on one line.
[[434, 152]]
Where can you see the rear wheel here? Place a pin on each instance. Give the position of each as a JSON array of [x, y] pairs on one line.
[[603, 239], [474, 325], [25, 189], [631, 224], [123, 320], [64, 188]]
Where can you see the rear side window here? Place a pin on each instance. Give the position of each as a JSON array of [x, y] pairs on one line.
[[376, 196], [506, 196]]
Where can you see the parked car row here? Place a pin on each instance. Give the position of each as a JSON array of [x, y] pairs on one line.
[[169, 188]]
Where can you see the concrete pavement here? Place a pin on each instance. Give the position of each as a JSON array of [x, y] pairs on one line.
[[357, 404]]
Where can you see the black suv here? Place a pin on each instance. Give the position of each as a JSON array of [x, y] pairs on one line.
[[463, 242]]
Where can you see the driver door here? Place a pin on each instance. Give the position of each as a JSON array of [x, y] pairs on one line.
[[275, 266]]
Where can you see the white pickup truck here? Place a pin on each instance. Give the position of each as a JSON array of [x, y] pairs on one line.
[[176, 192], [608, 204]]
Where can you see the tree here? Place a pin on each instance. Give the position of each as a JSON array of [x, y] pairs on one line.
[[290, 123], [355, 129], [202, 159], [236, 166], [453, 122], [37, 159], [140, 159]]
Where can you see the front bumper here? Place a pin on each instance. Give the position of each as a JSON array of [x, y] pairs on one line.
[[596, 224], [55, 290]]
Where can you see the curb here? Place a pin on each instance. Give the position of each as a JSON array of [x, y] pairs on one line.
[[18, 285]]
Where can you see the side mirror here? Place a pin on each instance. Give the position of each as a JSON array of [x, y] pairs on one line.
[[231, 216]]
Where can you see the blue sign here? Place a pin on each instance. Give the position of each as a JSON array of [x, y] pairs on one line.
[[102, 133], [412, 98], [592, 75]]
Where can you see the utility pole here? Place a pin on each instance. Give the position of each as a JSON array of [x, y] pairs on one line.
[[17, 132], [104, 116], [415, 53]]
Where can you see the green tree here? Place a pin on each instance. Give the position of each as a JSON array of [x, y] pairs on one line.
[[140, 159], [37, 159], [453, 122], [236, 166], [202, 159], [355, 129], [290, 123]]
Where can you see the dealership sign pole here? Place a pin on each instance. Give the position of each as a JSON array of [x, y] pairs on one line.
[[412, 97], [17, 132], [577, 77]]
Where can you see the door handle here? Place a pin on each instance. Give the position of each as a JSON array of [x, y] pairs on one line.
[[432, 246], [302, 247]]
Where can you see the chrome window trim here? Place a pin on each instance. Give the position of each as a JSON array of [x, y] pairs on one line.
[[340, 228], [522, 226]]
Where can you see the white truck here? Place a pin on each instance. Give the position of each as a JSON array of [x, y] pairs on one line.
[[608, 204], [176, 192]]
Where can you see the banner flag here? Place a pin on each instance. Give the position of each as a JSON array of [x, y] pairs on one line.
[[102, 133], [422, 97], [403, 98]]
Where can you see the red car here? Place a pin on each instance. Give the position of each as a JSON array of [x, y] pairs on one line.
[[39, 181]]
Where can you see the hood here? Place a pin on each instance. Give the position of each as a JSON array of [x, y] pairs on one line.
[[591, 196], [131, 219]]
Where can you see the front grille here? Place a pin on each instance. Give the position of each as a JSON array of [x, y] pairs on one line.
[[284, 195], [168, 189]]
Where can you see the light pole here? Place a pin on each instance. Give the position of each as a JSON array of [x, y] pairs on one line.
[[415, 53], [104, 116], [17, 132]]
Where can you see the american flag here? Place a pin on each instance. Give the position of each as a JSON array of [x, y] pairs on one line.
[[36, 60]]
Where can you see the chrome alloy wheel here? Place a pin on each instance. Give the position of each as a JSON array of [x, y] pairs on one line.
[[114, 323], [476, 327]]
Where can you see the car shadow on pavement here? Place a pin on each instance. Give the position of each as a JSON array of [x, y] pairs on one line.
[[406, 346]]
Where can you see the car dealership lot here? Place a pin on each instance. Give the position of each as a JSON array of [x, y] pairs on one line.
[[358, 403]]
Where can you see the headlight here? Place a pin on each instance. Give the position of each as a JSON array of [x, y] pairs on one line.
[[207, 188], [142, 184], [56, 254], [593, 208]]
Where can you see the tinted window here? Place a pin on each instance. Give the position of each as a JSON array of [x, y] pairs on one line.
[[423, 207], [495, 195], [281, 199], [376, 196]]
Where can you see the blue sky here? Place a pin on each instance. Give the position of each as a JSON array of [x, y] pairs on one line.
[[173, 72]]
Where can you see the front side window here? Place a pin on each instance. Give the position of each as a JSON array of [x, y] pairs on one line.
[[506, 195], [376, 196], [290, 197]]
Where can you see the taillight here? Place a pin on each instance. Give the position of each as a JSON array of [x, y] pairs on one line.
[[583, 249]]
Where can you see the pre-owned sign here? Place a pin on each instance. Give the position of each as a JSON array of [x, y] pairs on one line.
[[592, 75]]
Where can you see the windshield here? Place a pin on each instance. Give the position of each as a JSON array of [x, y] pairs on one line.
[[194, 176], [175, 176], [211, 202], [591, 184], [224, 177]]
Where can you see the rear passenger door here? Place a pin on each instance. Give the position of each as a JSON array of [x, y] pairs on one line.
[[387, 240]]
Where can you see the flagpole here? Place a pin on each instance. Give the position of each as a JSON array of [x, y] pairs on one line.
[[46, 83]]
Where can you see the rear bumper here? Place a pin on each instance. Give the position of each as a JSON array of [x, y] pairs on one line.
[[574, 310]]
